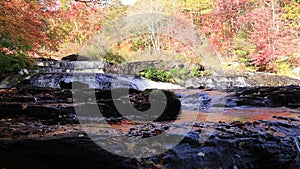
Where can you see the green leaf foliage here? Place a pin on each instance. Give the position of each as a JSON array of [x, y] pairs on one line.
[[112, 57], [13, 63], [157, 75]]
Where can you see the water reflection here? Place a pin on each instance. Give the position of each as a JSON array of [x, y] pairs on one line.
[[244, 114]]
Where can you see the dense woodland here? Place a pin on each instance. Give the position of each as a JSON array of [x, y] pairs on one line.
[[261, 35]]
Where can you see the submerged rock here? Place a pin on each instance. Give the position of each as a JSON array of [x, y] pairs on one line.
[[204, 101]]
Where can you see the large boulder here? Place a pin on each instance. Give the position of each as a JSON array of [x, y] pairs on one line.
[[134, 68], [134, 107]]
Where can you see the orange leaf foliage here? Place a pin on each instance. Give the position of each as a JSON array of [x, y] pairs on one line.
[[24, 23]]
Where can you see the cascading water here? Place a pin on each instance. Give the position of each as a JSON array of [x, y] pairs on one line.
[[72, 66], [98, 81], [91, 73]]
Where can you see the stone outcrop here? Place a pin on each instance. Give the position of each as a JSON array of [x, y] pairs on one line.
[[134, 68], [235, 80], [217, 82], [288, 96], [50, 66]]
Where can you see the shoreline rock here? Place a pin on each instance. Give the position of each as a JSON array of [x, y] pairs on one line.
[[259, 144]]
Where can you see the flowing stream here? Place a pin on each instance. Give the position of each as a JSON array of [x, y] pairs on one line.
[[196, 105]]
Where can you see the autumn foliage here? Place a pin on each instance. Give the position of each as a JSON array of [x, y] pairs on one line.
[[24, 25], [23, 30], [258, 24], [261, 32]]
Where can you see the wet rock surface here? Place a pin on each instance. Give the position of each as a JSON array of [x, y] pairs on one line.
[[56, 106], [39, 129], [288, 96], [30, 144]]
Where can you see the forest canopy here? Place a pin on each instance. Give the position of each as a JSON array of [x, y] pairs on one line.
[[260, 34]]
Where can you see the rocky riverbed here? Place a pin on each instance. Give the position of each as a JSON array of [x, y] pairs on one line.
[[39, 129]]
